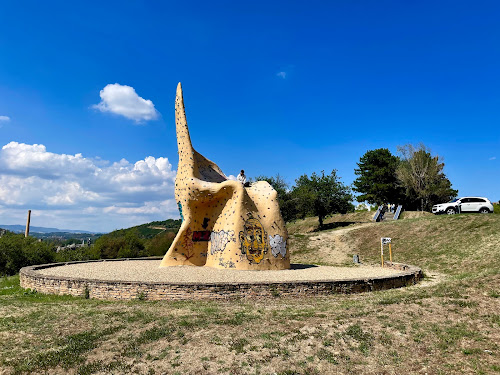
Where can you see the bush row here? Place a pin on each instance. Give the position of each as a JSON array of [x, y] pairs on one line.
[[17, 251]]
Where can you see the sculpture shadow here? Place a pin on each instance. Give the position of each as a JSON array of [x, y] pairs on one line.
[[298, 266]]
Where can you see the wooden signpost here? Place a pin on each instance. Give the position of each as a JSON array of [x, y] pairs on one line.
[[384, 241]]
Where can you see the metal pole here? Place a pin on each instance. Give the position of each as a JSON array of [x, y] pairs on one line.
[[382, 253], [27, 232], [390, 252]]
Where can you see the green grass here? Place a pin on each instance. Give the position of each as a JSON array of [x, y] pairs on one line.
[[496, 208], [310, 224], [149, 230], [68, 352], [460, 245], [451, 325]]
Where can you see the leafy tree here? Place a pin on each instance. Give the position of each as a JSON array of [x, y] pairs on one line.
[[79, 254], [159, 244], [285, 200], [422, 176], [377, 181], [129, 245], [134, 246], [17, 251], [321, 195]]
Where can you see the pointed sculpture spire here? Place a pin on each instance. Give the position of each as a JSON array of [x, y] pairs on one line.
[[225, 224], [186, 151]]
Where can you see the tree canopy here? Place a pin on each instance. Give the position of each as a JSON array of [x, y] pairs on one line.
[[377, 181], [422, 176], [17, 251], [321, 195]]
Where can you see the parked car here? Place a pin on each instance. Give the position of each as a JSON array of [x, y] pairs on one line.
[[464, 204]]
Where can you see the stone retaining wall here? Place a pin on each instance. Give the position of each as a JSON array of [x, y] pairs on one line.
[[128, 290]]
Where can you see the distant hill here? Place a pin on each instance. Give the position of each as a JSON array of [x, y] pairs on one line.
[[33, 229], [149, 230], [144, 231]]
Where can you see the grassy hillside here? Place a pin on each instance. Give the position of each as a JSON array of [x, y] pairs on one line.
[[310, 224], [449, 244], [149, 230], [151, 239], [449, 324], [458, 245]]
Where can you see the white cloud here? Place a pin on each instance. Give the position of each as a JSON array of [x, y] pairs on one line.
[[492, 158], [20, 158], [75, 192], [123, 100], [281, 74], [146, 208], [4, 119]]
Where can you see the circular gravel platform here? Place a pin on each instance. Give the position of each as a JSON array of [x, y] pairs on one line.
[[143, 279]]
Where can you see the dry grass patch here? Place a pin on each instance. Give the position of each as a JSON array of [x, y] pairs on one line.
[[409, 330], [448, 325], [310, 224]]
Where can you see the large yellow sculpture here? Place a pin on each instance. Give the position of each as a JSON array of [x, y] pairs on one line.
[[224, 224]]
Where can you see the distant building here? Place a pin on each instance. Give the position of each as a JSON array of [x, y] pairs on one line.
[[363, 207], [73, 246]]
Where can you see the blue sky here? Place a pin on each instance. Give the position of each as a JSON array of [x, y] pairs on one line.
[[272, 87]]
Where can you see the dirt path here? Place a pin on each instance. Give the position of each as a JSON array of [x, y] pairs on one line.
[[332, 245]]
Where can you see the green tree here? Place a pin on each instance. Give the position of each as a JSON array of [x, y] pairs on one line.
[[125, 244], [158, 245], [17, 251], [321, 195], [377, 181], [134, 246], [79, 254], [423, 178]]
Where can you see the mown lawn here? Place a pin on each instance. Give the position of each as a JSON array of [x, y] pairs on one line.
[[450, 324]]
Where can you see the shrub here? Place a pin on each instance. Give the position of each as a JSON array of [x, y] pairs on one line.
[[159, 245], [78, 254], [17, 251], [128, 246]]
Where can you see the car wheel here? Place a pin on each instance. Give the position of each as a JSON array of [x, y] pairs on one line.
[[484, 210], [450, 211]]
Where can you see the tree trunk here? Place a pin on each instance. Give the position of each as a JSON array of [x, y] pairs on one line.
[[320, 218]]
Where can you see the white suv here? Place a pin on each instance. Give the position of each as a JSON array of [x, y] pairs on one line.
[[464, 204]]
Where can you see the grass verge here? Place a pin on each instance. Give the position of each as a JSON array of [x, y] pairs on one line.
[[448, 325]]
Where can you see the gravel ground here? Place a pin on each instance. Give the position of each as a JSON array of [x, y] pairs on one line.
[[149, 271]]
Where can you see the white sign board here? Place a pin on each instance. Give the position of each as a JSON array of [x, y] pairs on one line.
[[385, 240]]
